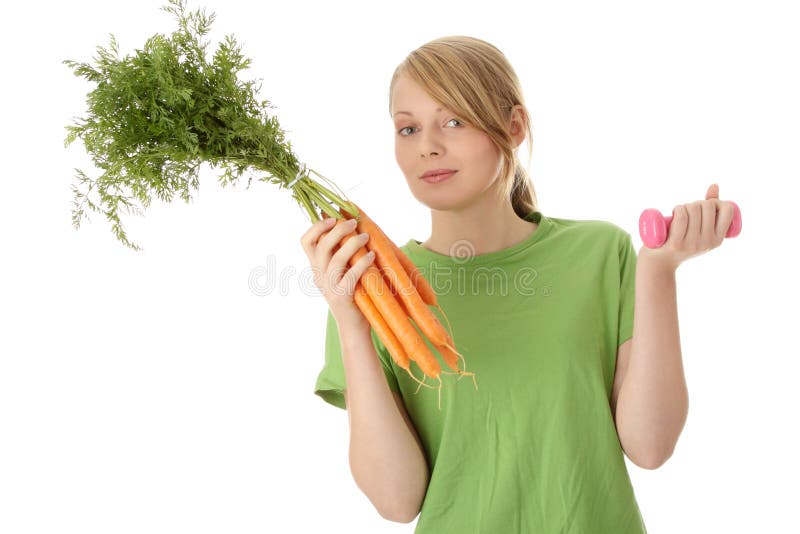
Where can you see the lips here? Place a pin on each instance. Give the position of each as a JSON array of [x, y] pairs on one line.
[[437, 175], [434, 172], [436, 178]]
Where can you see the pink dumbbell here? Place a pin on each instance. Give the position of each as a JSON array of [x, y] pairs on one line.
[[653, 226]]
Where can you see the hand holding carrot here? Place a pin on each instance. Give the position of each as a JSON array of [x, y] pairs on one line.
[[386, 296], [330, 261]]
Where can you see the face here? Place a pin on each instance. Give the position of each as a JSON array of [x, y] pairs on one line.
[[429, 136]]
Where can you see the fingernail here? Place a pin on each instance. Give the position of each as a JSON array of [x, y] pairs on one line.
[[329, 220]]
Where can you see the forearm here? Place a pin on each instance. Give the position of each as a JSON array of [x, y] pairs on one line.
[[653, 400], [386, 458]]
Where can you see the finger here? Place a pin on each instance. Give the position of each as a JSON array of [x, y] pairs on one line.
[[695, 213], [309, 238], [708, 235], [713, 191], [324, 248], [351, 277], [341, 258], [677, 228], [724, 220]]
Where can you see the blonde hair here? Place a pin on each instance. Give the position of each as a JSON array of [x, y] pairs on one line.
[[475, 80]]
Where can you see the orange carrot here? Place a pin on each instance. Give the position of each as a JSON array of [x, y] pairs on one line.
[[450, 357], [420, 283], [381, 327], [377, 322], [390, 309], [389, 315], [399, 280], [384, 333]]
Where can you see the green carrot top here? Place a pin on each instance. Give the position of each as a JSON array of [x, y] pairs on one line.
[[155, 116]]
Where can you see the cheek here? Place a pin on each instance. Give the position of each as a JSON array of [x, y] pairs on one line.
[[403, 157], [490, 156], [486, 147]]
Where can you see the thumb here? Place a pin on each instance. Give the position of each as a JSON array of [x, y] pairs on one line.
[[713, 191]]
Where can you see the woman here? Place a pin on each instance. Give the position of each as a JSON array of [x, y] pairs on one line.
[[542, 308]]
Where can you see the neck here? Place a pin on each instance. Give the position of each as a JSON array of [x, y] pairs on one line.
[[479, 228]]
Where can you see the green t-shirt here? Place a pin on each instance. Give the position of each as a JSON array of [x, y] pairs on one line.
[[534, 449]]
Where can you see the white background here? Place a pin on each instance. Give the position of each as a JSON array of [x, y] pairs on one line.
[[170, 390]]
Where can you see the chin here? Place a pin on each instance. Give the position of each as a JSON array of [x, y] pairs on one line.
[[448, 198], [441, 202]]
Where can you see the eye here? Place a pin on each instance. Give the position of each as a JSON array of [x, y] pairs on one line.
[[401, 130]]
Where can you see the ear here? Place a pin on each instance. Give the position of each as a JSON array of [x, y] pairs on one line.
[[518, 124]]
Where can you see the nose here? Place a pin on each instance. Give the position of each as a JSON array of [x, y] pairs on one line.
[[430, 144]]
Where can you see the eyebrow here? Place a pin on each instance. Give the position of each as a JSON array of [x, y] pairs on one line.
[[409, 113]]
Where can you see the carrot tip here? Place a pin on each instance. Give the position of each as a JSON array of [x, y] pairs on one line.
[[460, 357], [451, 347], [408, 370], [449, 327]]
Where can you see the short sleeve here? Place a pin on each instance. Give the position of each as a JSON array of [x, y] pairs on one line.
[[331, 382], [627, 286]]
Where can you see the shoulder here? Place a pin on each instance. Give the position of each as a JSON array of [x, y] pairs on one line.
[[595, 232]]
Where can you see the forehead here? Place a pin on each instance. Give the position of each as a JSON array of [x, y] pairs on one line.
[[409, 98]]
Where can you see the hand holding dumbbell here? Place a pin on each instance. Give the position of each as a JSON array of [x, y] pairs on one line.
[[654, 227]]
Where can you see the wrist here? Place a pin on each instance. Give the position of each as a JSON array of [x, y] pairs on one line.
[[655, 261], [356, 325]]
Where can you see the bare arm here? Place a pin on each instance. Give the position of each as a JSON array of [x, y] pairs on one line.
[[653, 400], [386, 456]]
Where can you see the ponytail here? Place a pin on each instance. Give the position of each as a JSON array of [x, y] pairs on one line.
[[523, 195]]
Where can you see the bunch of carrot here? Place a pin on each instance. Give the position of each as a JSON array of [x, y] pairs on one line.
[[156, 116], [394, 292]]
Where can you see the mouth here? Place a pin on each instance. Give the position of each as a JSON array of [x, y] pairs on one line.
[[437, 176]]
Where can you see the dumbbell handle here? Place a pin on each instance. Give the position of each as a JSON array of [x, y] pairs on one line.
[[654, 227]]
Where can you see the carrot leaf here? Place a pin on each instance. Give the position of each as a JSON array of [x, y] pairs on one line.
[[155, 116]]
